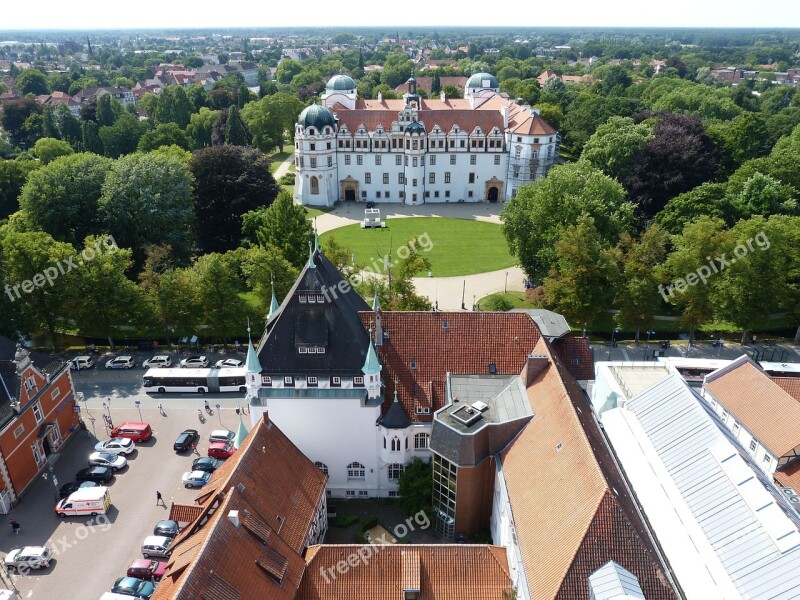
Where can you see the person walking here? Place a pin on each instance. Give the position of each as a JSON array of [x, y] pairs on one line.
[[159, 499], [15, 527], [161, 410]]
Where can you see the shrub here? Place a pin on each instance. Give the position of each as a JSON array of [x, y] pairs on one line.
[[343, 520], [287, 179], [368, 523]]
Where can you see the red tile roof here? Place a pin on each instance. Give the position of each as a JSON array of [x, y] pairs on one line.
[[443, 572], [425, 83], [577, 356], [790, 385], [571, 509], [470, 343]]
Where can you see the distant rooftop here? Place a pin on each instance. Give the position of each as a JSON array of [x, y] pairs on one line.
[[551, 324], [479, 400]]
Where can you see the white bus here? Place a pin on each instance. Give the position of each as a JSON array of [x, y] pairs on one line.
[[195, 380]]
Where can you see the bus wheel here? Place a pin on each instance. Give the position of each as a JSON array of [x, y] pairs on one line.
[[161, 390], [201, 391], [242, 389], [94, 514]]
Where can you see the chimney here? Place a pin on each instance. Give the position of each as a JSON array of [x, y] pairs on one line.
[[380, 98], [442, 97], [535, 365], [504, 111], [233, 517]]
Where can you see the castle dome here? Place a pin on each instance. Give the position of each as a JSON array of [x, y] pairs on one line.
[[317, 116], [340, 83], [482, 80]]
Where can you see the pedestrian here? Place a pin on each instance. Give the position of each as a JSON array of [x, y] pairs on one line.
[[15, 527], [159, 499], [161, 410], [194, 448]]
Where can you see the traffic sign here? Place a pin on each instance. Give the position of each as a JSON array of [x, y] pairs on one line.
[[217, 406]]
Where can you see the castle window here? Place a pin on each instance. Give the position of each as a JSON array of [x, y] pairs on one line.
[[436, 194], [313, 382], [497, 159], [360, 159], [463, 144], [301, 162], [367, 177], [395, 444], [421, 441], [414, 182], [394, 471], [347, 159], [398, 160], [415, 145], [330, 161], [414, 161], [322, 467], [535, 140], [377, 160], [364, 194], [386, 178], [336, 381], [355, 470], [312, 146], [472, 159], [358, 381], [401, 178], [452, 159], [313, 162], [406, 161], [447, 193], [432, 178], [378, 194], [433, 160], [288, 380], [314, 186], [447, 177], [472, 177], [469, 194], [329, 145]]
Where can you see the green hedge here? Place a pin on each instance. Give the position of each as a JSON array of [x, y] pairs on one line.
[[368, 523], [343, 520]]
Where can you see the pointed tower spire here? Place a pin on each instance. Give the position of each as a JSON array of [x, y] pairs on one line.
[[311, 264], [241, 434], [316, 236], [273, 305], [376, 302], [251, 364]]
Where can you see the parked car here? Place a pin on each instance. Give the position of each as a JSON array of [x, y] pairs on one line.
[[195, 479], [167, 528], [81, 362], [221, 435], [114, 462], [133, 586], [133, 430], [206, 463], [121, 362], [29, 557], [144, 568], [185, 440], [70, 488], [116, 446], [221, 450], [98, 474], [228, 363], [156, 545], [158, 362], [195, 362]]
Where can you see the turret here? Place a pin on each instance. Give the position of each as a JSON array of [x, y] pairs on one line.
[[372, 372]]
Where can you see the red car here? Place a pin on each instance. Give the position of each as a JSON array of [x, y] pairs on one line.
[[144, 568], [221, 449]]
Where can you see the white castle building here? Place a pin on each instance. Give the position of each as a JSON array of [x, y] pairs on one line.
[[481, 148]]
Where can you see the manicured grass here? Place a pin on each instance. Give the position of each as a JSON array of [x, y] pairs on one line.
[[515, 299], [315, 212], [455, 246], [278, 157], [343, 520]]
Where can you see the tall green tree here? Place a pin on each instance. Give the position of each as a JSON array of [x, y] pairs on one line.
[[271, 119], [174, 106], [614, 144], [219, 284], [123, 136], [578, 284], [13, 175], [62, 198], [90, 137], [540, 213], [201, 124], [108, 110], [48, 149], [283, 225], [415, 485], [264, 267], [32, 81], [236, 132], [166, 134], [229, 181], [147, 200]]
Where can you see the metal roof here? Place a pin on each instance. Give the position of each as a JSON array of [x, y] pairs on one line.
[[725, 528]]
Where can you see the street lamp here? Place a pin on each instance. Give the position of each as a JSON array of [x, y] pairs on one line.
[[649, 333], [138, 404], [52, 477], [107, 406], [219, 413], [505, 287]]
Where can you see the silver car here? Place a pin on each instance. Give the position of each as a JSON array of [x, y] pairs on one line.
[[116, 446], [29, 557], [106, 459]]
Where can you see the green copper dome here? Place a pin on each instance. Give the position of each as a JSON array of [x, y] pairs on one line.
[[341, 82], [415, 127], [316, 116], [479, 80]]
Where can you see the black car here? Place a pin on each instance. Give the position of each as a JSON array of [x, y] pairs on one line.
[[208, 464], [70, 488], [166, 528], [370, 204], [99, 474], [185, 440]]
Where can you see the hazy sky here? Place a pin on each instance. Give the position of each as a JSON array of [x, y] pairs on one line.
[[94, 14]]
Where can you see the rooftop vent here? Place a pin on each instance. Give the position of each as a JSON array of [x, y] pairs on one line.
[[480, 406], [413, 364], [466, 415], [446, 325], [233, 517], [240, 487], [559, 447], [492, 369]]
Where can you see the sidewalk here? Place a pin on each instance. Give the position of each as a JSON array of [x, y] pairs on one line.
[[283, 168]]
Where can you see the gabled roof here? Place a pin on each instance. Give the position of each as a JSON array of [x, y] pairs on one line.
[[333, 324], [563, 485], [790, 385], [395, 417], [462, 343], [763, 407], [276, 490], [443, 572]]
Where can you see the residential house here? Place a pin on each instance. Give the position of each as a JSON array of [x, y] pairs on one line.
[[37, 416], [424, 83], [60, 98]]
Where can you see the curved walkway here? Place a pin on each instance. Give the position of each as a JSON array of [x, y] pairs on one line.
[[444, 292], [283, 168]]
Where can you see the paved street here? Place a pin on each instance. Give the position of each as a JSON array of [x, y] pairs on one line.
[[90, 558]]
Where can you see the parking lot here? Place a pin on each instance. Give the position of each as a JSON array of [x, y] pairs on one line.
[[90, 554]]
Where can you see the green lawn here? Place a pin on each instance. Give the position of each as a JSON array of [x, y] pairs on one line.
[[515, 299], [278, 157], [455, 246], [315, 212]]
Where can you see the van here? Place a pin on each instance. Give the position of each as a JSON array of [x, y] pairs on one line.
[[86, 501], [138, 432], [221, 435], [156, 545]]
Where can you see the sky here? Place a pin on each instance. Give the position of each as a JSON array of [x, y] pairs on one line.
[[105, 14]]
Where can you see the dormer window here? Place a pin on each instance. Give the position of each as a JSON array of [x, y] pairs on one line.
[[358, 381], [266, 380], [288, 381], [303, 299]]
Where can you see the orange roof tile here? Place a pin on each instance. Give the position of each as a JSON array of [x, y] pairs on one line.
[[183, 513], [759, 404], [425, 83], [790, 385], [789, 476], [445, 572], [471, 342], [560, 475]]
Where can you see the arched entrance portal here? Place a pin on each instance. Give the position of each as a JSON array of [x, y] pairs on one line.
[[493, 190], [348, 188]]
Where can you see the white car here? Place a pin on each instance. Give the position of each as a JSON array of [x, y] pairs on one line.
[[221, 435], [158, 362], [228, 363], [81, 362], [195, 362], [106, 459], [195, 479], [116, 446], [29, 557], [121, 362]]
